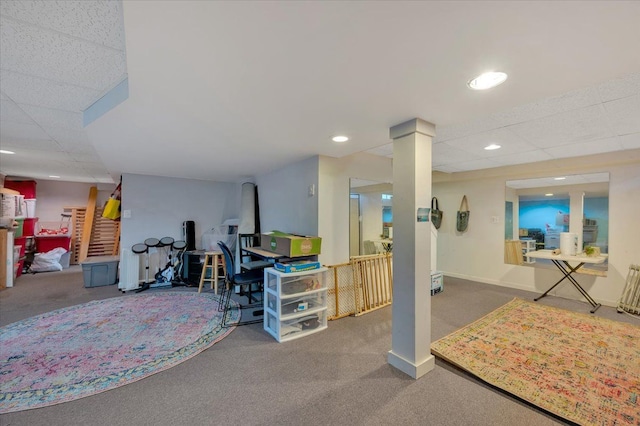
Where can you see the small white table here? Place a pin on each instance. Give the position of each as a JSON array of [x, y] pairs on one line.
[[562, 263]]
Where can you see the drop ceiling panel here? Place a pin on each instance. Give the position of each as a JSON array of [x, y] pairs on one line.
[[41, 53], [25, 89], [623, 115], [546, 107], [620, 87], [465, 129], [30, 144], [50, 117], [383, 151], [509, 142], [11, 130], [66, 135], [482, 163], [630, 141], [9, 111], [585, 148], [521, 158], [98, 21], [444, 154], [567, 128], [86, 157]]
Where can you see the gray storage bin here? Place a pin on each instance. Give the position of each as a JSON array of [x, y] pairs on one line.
[[100, 270]]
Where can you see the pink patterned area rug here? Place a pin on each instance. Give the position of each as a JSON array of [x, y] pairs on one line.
[[583, 368], [85, 349]]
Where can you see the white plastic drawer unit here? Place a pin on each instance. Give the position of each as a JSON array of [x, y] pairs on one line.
[[296, 327], [292, 284], [295, 303], [292, 307]]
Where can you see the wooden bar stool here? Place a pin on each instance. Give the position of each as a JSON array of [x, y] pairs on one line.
[[212, 261]]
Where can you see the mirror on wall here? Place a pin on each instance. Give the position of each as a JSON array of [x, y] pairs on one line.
[[370, 216], [538, 210]]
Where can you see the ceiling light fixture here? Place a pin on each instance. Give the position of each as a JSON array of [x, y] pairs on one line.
[[340, 138], [4, 151], [559, 178], [487, 80], [492, 147], [548, 195], [54, 176]]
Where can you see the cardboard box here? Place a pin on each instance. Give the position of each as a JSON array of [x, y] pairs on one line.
[[290, 245]]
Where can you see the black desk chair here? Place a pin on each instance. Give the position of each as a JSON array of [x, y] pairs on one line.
[[246, 282]]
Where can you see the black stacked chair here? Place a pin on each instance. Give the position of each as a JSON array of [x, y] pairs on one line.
[[246, 281]]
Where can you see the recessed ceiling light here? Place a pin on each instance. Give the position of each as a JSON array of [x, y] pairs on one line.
[[4, 151], [54, 176], [559, 178], [492, 147], [340, 138], [548, 195], [487, 80]]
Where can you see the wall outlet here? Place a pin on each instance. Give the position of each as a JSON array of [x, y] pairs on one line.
[[495, 219], [312, 190], [126, 214]]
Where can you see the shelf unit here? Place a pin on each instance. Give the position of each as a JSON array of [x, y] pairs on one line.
[[527, 246], [295, 304]]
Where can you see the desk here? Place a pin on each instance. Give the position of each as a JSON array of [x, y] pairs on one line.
[[562, 263], [263, 254], [267, 258]]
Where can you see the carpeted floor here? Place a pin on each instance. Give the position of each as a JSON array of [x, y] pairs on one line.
[[581, 367], [85, 349], [339, 376]]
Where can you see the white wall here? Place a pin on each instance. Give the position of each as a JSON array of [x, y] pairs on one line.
[[478, 253], [284, 199], [159, 205], [333, 202], [52, 196]]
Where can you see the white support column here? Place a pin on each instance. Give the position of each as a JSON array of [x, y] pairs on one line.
[[411, 331]]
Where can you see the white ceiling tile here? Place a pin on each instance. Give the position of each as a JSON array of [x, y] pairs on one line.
[[41, 53], [98, 21], [32, 144], [630, 141], [620, 88], [545, 107], [443, 154], [68, 136], [583, 124], [85, 156], [384, 150], [457, 131], [9, 111], [522, 158], [49, 117], [11, 130], [585, 148], [37, 91], [509, 142], [623, 115], [482, 163], [446, 168], [77, 148]]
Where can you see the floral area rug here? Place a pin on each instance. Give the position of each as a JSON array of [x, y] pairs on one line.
[[85, 349], [580, 367]]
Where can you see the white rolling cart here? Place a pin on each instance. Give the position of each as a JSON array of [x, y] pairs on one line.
[[295, 304]]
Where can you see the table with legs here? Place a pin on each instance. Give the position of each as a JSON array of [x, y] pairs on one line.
[[563, 263]]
